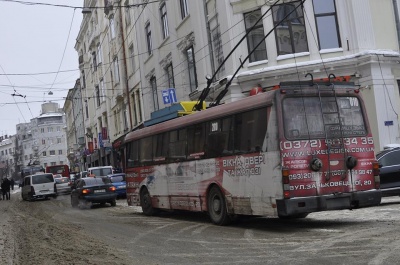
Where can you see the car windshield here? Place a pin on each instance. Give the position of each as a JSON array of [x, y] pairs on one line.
[[119, 178]]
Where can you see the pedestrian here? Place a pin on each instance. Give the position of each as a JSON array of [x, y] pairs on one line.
[[12, 183], [5, 189]]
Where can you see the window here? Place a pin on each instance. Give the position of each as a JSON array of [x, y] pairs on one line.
[[196, 141], [112, 28], [255, 36], [50, 129], [220, 138], [132, 57], [83, 79], [98, 96], [94, 61], [184, 8], [52, 163], [99, 54], [60, 152], [132, 154], [177, 144], [44, 153], [160, 147], [102, 90], [191, 68], [86, 109], [43, 141], [170, 75], [137, 107], [42, 130], [318, 118], [148, 39], [250, 129], [52, 152], [217, 50], [116, 70], [327, 24], [58, 129], [59, 140], [290, 30], [146, 150], [164, 20], [125, 113], [153, 85]]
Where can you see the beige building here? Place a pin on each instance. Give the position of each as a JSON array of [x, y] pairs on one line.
[[133, 53]]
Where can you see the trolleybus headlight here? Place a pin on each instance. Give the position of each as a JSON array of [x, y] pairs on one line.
[[316, 164], [351, 162]]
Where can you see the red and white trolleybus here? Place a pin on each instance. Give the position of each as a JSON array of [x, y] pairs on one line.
[[301, 148]]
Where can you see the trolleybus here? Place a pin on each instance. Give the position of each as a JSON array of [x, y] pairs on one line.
[[300, 148]]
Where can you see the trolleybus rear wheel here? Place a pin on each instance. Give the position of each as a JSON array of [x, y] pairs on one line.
[[217, 207]]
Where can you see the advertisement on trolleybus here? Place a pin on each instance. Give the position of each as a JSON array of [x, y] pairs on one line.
[[301, 148]]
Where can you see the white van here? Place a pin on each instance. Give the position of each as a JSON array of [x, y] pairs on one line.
[[99, 171], [40, 185]]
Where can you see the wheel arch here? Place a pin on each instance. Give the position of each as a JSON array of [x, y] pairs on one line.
[[227, 196]]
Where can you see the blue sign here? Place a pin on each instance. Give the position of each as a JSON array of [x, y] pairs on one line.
[[165, 96], [388, 123], [172, 95], [169, 96], [101, 140]]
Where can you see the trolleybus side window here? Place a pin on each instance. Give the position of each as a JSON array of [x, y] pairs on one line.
[[196, 141], [250, 130], [219, 139], [133, 154], [146, 150], [160, 146], [177, 145]]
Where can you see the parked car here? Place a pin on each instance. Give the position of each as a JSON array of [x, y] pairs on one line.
[[118, 181], [62, 185], [102, 171], [91, 190], [389, 161], [40, 185]]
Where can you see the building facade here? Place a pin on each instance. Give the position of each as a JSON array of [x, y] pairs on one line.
[[133, 53], [42, 141], [7, 156]]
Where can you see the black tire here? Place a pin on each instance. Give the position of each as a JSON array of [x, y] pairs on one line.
[[145, 202], [113, 203], [217, 207], [74, 203]]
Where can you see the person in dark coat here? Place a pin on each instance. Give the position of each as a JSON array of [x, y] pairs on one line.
[[12, 184], [5, 188]]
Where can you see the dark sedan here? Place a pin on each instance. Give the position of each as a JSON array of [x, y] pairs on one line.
[[389, 161], [93, 190]]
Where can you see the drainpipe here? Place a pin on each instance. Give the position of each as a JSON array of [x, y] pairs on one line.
[[397, 20], [125, 68]]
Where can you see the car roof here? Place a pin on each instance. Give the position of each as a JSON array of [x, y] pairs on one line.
[[386, 151], [92, 181]]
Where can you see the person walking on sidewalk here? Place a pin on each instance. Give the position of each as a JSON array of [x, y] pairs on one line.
[[5, 188]]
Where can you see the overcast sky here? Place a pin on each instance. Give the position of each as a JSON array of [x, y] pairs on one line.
[[37, 56]]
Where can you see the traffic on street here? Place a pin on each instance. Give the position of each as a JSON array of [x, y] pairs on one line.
[[53, 232]]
